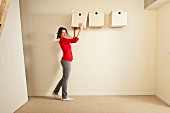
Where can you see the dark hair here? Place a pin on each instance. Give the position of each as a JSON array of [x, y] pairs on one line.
[[60, 31]]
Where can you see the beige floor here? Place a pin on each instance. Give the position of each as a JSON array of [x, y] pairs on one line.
[[96, 104]]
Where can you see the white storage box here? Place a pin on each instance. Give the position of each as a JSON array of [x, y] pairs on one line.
[[96, 19], [118, 18], [79, 17]]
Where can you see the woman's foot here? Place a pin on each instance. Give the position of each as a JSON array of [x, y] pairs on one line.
[[56, 96], [67, 99]]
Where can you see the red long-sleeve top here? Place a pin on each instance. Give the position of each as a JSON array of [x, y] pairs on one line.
[[66, 48]]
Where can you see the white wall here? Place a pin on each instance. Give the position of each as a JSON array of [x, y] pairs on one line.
[[106, 60], [13, 89], [163, 54]]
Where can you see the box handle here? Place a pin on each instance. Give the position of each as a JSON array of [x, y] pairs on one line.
[[96, 13]]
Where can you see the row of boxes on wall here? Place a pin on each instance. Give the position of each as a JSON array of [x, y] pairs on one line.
[[96, 19]]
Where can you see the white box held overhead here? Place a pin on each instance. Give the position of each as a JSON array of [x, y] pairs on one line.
[[118, 18], [79, 17], [96, 19]]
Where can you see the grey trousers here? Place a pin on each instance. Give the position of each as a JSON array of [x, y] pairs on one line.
[[64, 80]]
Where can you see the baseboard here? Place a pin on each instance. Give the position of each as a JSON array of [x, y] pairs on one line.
[[97, 93], [113, 93], [163, 99]]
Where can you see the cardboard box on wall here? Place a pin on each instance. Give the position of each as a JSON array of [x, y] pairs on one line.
[[79, 17], [96, 19], [118, 18]]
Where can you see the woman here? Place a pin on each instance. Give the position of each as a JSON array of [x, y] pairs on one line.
[[66, 60]]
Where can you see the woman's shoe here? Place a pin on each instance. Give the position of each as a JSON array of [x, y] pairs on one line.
[[67, 99], [56, 96]]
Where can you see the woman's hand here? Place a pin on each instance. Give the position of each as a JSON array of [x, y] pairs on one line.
[[74, 28], [81, 26], [80, 30]]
